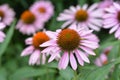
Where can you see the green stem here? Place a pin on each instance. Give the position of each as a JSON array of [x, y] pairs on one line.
[[75, 75], [47, 75], [0, 61]]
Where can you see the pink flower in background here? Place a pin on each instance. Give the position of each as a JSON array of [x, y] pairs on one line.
[[7, 14], [112, 19], [103, 58], [105, 4], [71, 42], [2, 35], [44, 9], [29, 23], [36, 57], [82, 16]]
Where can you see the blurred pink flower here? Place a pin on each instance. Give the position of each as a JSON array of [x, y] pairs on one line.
[[29, 23], [103, 58], [36, 57], [112, 19], [71, 42], [105, 4], [44, 9], [7, 14], [2, 35], [82, 16]]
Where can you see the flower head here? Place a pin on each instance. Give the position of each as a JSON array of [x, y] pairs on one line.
[[71, 42], [34, 50], [82, 16], [112, 19], [29, 23], [103, 58], [44, 9], [7, 14]]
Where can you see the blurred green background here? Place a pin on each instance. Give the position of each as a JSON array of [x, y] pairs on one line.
[[14, 67]]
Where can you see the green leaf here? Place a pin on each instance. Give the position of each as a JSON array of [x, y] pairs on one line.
[[81, 2], [111, 43], [9, 35], [116, 73], [96, 1], [3, 74], [52, 65], [98, 73], [28, 72], [67, 74]]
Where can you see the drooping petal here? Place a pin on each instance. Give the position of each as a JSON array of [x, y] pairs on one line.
[[98, 62], [87, 50], [114, 29], [34, 57], [83, 56], [28, 41], [73, 61], [47, 43], [27, 51], [54, 55], [64, 61], [2, 26], [81, 62]]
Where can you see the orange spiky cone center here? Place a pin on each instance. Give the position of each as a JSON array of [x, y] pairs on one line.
[[39, 38], [68, 39], [2, 14], [81, 15], [118, 16], [28, 17], [42, 10]]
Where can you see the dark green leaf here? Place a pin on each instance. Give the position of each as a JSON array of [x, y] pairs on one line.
[[81, 2], [9, 35], [28, 72], [67, 74], [98, 73], [3, 74]]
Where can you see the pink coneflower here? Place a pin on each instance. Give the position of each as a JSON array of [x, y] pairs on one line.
[[29, 23], [2, 35], [7, 14], [112, 19], [105, 4], [34, 50], [44, 9], [82, 16], [71, 42], [103, 58]]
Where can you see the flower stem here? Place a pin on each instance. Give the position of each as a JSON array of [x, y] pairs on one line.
[[75, 75], [0, 61]]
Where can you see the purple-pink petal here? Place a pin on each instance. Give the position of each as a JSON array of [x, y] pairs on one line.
[[27, 51], [73, 61], [64, 61]]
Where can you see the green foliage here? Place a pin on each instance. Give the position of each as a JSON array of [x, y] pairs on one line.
[[3, 74], [99, 73], [14, 67], [9, 35], [65, 75], [27, 72]]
